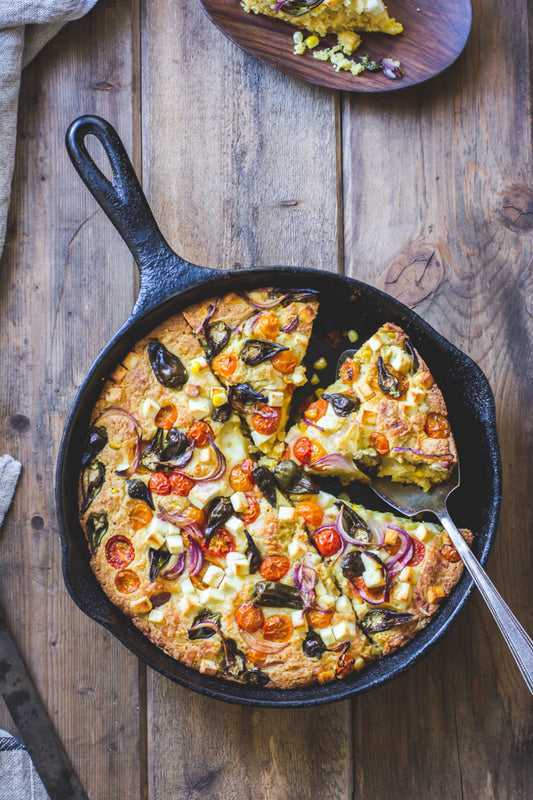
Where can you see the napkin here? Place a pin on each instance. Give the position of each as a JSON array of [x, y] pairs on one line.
[[18, 778], [25, 27]]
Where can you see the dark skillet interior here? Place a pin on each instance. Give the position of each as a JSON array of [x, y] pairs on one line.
[[344, 304]]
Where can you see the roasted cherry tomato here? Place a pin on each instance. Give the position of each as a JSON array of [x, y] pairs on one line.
[[278, 628], [328, 542], [240, 478], [316, 410], [195, 515], [181, 484], [140, 515], [418, 555], [307, 451], [220, 544], [119, 552], [319, 618], [159, 483], [200, 431], [285, 362], [266, 420], [274, 568], [267, 325], [437, 426], [380, 442], [253, 509], [127, 581], [225, 364], [450, 553], [349, 371], [311, 512], [345, 664], [249, 618], [166, 417]]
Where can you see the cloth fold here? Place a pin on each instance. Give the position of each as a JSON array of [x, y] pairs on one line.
[[18, 777], [25, 27]]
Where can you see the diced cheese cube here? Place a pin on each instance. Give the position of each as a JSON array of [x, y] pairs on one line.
[[297, 376], [213, 575], [200, 407], [205, 455], [402, 591], [343, 605], [313, 559], [391, 536], [368, 417], [327, 636], [175, 544], [131, 360], [157, 614], [325, 499], [368, 563], [373, 578], [326, 601], [399, 360], [344, 630], [187, 586], [275, 399], [141, 605], [234, 525], [408, 574], [119, 374], [298, 619], [260, 438], [198, 364], [114, 394], [239, 502], [296, 548], [228, 586], [330, 421], [188, 604], [149, 408], [207, 667], [211, 596], [422, 533], [320, 589], [435, 593], [374, 343], [154, 539], [360, 608], [237, 565], [286, 513], [202, 493], [374, 7]]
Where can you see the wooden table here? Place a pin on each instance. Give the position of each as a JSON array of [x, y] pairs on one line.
[[425, 193]]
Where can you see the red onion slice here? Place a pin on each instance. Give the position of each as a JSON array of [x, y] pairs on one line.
[[314, 425], [211, 308], [305, 580], [345, 536], [270, 303], [175, 568], [180, 521], [218, 470], [404, 554], [126, 473], [119, 411], [334, 461], [196, 557], [422, 452], [262, 645], [291, 326]]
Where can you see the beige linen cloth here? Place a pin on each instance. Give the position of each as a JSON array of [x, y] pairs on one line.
[[25, 27]]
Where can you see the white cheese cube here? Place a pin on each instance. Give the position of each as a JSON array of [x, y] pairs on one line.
[[402, 591], [330, 421], [175, 544], [149, 408], [234, 525], [228, 586], [374, 7], [298, 619], [399, 359], [360, 608], [200, 407], [296, 548], [313, 560], [260, 438], [343, 605], [239, 502], [422, 533], [157, 614], [297, 376], [210, 595], [369, 563], [202, 493], [187, 586], [213, 575], [325, 500], [344, 630], [374, 342], [189, 605], [205, 455], [325, 601], [275, 399], [237, 565], [286, 513], [154, 539], [327, 636], [320, 589], [408, 574], [373, 578]]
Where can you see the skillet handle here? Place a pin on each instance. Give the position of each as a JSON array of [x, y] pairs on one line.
[[163, 273]]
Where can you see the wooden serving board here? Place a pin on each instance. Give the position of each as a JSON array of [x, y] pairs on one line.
[[435, 34]]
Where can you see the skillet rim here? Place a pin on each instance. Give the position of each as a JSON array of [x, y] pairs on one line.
[[377, 673]]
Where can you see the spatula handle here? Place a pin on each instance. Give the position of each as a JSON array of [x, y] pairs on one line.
[[518, 641]]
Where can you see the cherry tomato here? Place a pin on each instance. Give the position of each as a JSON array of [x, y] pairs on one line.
[[240, 477], [195, 515], [119, 552], [200, 431], [127, 581], [311, 512], [344, 665], [274, 568], [166, 417], [317, 410], [319, 618], [159, 483], [450, 553], [249, 618], [307, 451], [380, 442], [349, 371], [253, 510], [437, 426], [181, 484], [267, 325], [278, 628], [418, 555], [220, 544], [266, 420], [328, 542], [140, 515], [224, 364], [285, 362]]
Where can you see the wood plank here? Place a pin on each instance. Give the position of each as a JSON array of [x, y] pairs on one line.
[[67, 286], [240, 166], [438, 187]]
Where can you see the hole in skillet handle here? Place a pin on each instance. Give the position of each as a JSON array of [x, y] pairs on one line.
[[163, 273]]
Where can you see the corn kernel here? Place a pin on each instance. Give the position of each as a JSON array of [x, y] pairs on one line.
[[319, 392], [353, 336], [218, 397], [320, 363], [315, 379], [312, 41]]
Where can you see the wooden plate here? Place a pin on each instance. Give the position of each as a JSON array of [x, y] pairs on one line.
[[435, 33]]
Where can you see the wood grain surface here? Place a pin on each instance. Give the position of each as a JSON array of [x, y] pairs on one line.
[[427, 193]]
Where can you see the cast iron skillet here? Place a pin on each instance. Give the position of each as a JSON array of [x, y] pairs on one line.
[[169, 284]]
